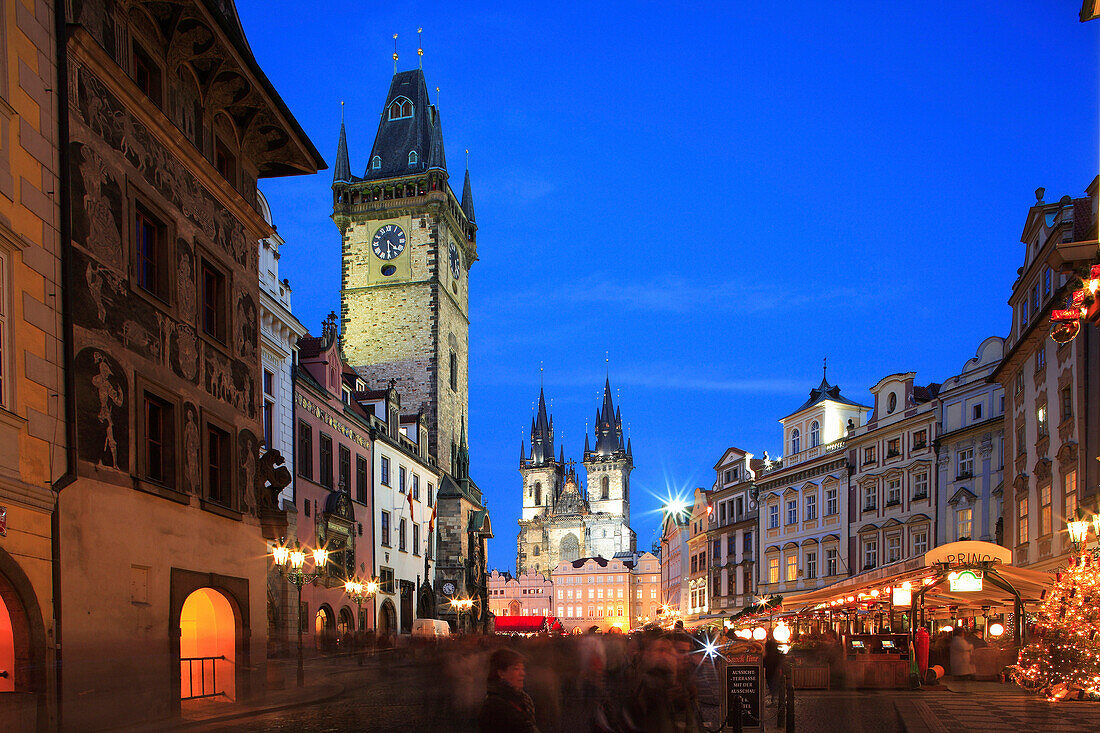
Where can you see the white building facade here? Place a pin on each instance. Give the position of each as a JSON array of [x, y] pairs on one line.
[[733, 528]]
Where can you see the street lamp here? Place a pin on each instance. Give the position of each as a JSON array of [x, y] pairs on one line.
[[461, 604], [1078, 532], [295, 575], [359, 590]]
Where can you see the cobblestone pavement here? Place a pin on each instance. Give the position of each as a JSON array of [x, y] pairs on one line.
[[996, 713]]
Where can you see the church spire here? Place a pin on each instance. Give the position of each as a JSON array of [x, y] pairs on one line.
[[468, 196], [609, 430], [542, 435], [342, 169]]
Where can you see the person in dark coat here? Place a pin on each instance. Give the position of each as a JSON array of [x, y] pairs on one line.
[[772, 659], [507, 708]]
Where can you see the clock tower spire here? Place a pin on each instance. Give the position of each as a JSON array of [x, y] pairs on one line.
[[408, 244]]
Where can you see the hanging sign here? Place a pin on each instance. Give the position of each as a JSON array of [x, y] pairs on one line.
[[966, 581], [744, 682]]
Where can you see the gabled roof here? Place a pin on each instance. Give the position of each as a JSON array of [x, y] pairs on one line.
[[420, 132]]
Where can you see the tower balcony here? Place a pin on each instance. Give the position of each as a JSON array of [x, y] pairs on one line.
[[420, 191]]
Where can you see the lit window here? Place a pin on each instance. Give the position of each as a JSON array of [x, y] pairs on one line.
[[773, 570], [1045, 510], [792, 568], [1041, 421], [963, 523], [413, 158], [1071, 495], [376, 163], [1021, 523]]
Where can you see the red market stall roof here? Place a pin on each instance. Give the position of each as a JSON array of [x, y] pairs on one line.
[[527, 624]]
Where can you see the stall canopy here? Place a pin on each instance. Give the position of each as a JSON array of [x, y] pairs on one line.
[[528, 624]]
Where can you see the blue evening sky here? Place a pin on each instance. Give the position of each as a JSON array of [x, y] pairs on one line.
[[718, 195]]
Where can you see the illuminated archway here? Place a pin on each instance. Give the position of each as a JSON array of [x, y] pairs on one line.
[[208, 646], [345, 623], [323, 622], [7, 650]]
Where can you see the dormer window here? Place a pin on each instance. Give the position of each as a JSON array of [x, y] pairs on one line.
[[413, 158], [400, 108], [376, 163]]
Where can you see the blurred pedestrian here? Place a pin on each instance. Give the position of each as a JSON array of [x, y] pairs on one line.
[[960, 654], [772, 661], [507, 708]]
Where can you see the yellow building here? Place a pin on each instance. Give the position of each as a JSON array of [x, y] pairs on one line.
[[618, 593], [32, 433]]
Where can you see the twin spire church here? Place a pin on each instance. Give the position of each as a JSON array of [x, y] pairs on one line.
[[563, 521]]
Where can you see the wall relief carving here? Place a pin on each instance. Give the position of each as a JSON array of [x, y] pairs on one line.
[[102, 408]]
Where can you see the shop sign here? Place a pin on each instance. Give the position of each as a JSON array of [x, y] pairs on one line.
[[902, 596], [967, 553], [744, 678], [966, 581]]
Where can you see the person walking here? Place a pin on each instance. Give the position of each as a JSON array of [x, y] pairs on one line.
[[960, 654], [507, 708]]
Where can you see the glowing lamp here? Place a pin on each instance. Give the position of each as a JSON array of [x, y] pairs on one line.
[[759, 633], [297, 558], [996, 629], [320, 556], [851, 598], [947, 628], [1078, 530], [281, 555], [372, 587], [782, 633], [902, 595], [874, 593]]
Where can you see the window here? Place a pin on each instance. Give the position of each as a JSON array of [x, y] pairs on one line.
[[225, 162], [830, 561], [746, 545], [830, 501], [605, 487], [920, 485], [920, 542], [965, 461], [920, 438], [694, 564], [1018, 387], [891, 403], [416, 538], [361, 487], [375, 163], [386, 582], [870, 498], [213, 299], [1067, 403], [1040, 359], [792, 511], [1021, 439], [159, 432], [792, 568], [1071, 495], [869, 455], [1023, 314], [773, 516], [269, 409], [811, 507], [147, 75], [325, 478], [305, 450], [1035, 300], [416, 487], [773, 570], [815, 434], [151, 250], [413, 158], [431, 495], [811, 565], [1046, 282], [716, 549], [893, 548], [385, 478], [402, 479], [1045, 509], [893, 447], [976, 411], [870, 553], [219, 466], [400, 108], [385, 529], [1041, 421], [1021, 523], [454, 371], [796, 441], [893, 491], [345, 469]]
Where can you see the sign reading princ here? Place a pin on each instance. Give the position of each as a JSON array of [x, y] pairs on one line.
[[968, 553]]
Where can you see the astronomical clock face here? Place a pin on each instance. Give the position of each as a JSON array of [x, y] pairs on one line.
[[449, 588], [388, 242], [456, 262]]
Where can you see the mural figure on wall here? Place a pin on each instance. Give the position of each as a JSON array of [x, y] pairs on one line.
[[110, 396], [246, 326], [102, 410], [191, 448], [247, 447]]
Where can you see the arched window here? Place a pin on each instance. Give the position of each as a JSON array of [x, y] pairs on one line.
[[815, 434], [413, 158], [536, 551], [605, 487], [796, 441], [401, 108], [538, 493], [376, 163]]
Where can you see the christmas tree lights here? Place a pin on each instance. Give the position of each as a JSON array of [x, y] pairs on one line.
[[1063, 658]]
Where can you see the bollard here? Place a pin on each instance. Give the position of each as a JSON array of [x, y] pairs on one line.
[[789, 685]]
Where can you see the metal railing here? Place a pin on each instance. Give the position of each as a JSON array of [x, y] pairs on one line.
[[190, 662]]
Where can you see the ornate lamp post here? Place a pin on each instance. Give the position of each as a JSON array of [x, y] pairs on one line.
[[291, 562], [358, 590], [460, 605]]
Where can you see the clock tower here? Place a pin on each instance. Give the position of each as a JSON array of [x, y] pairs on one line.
[[408, 245]]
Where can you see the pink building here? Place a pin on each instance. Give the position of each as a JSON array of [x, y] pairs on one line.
[[529, 594], [674, 559]]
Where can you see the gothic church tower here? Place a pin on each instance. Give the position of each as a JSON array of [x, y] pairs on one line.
[[608, 468], [408, 245]]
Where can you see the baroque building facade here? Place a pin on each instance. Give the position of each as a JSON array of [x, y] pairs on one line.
[[561, 520], [167, 123], [408, 245], [732, 531]]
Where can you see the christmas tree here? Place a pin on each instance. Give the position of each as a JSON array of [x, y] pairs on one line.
[[1063, 658]]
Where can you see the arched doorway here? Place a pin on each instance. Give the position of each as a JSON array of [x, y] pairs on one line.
[[208, 646], [22, 651], [345, 623], [387, 618], [323, 622]]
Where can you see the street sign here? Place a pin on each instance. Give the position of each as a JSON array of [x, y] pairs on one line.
[[743, 680]]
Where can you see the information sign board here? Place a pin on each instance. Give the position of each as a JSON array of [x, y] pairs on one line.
[[743, 677]]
